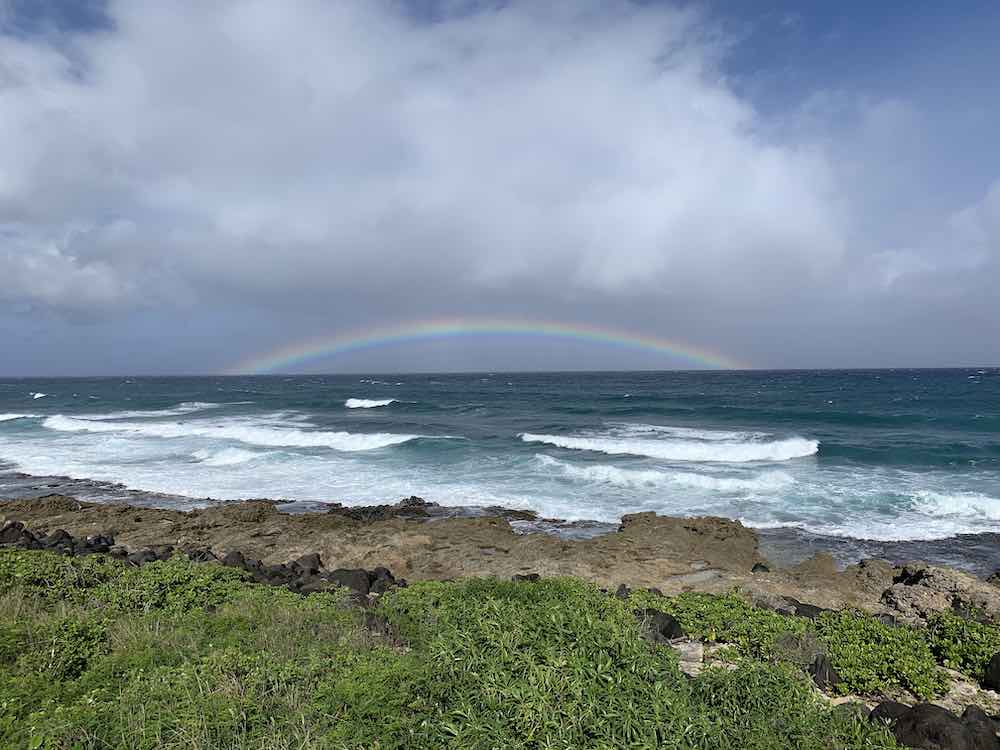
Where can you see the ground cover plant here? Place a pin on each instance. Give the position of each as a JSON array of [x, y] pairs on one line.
[[94, 654]]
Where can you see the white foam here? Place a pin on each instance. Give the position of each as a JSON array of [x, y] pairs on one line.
[[973, 505], [38, 395], [12, 417], [364, 403], [732, 451], [768, 481], [226, 456], [187, 407], [252, 432]]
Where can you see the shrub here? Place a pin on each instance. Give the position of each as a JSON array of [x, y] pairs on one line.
[[963, 644]]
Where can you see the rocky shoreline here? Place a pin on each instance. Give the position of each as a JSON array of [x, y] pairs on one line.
[[419, 540], [370, 550]]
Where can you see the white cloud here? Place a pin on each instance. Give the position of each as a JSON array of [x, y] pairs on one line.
[[307, 147]]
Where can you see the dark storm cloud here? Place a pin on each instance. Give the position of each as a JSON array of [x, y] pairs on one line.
[[263, 168]]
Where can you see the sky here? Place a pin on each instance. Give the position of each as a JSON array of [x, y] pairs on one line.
[[187, 186]]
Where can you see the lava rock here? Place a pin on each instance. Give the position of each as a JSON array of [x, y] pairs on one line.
[[141, 557], [11, 532], [979, 721], [823, 672], [659, 627], [58, 538], [355, 579], [525, 577], [99, 543], [381, 573], [991, 677], [760, 568], [800, 609], [623, 592], [200, 554], [309, 565], [888, 711], [234, 559], [162, 551], [931, 727]]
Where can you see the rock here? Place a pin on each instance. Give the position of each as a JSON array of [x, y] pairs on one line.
[[919, 590], [994, 578], [930, 727], [11, 532], [234, 559], [991, 677], [888, 711], [277, 574], [823, 673], [691, 656], [354, 579], [310, 585], [654, 590], [99, 543], [142, 557], [163, 551], [525, 577], [623, 591], [200, 554], [659, 627], [800, 609], [798, 648], [977, 720], [310, 564], [760, 568], [118, 552], [58, 538], [381, 585]]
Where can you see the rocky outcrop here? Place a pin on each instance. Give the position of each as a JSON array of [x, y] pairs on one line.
[[931, 727], [919, 590]]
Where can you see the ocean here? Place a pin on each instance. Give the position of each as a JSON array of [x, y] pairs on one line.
[[902, 464]]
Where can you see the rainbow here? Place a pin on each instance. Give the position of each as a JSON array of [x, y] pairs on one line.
[[291, 356]]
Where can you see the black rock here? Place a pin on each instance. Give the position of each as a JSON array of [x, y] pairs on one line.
[[659, 627], [655, 591], [11, 532], [623, 591], [991, 677], [253, 565], [979, 721], [354, 579], [309, 565], [99, 543], [931, 727], [234, 559], [887, 619], [200, 554], [142, 557], [760, 568], [278, 574], [58, 538], [801, 609], [525, 577], [310, 585], [118, 552], [888, 711], [381, 585], [162, 551], [381, 573], [823, 672]]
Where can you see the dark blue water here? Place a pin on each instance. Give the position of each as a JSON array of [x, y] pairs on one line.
[[876, 455]]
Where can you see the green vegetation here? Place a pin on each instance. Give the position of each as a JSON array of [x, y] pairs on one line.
[[869, 656], [182, 655], [963, 644]]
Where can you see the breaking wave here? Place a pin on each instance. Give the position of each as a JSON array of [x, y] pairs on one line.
[[681, 444], [187, 407], [12, 417], [364, 403], [249, 432]]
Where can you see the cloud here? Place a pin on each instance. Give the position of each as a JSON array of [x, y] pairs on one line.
[[351, 161], [298, 147]]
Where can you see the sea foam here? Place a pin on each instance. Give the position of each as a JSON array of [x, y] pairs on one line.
[[673, 447], [12, 417], [252, 432]]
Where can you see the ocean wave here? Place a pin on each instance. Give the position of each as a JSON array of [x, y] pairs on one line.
[[958, 504], [12, 417], [769, 481], [364, 403], [249, 432], [226, 457], [187, 407], [722, 451], [38, 395]]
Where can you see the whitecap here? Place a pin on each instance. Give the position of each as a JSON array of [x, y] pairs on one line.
[[364, 403], [726, 451], [38, 395], [186, 407], [12, 417], [252, 432]]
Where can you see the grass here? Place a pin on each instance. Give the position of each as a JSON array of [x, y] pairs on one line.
[[96, 655]]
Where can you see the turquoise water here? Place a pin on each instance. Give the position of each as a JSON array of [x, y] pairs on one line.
[[871, 455]]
